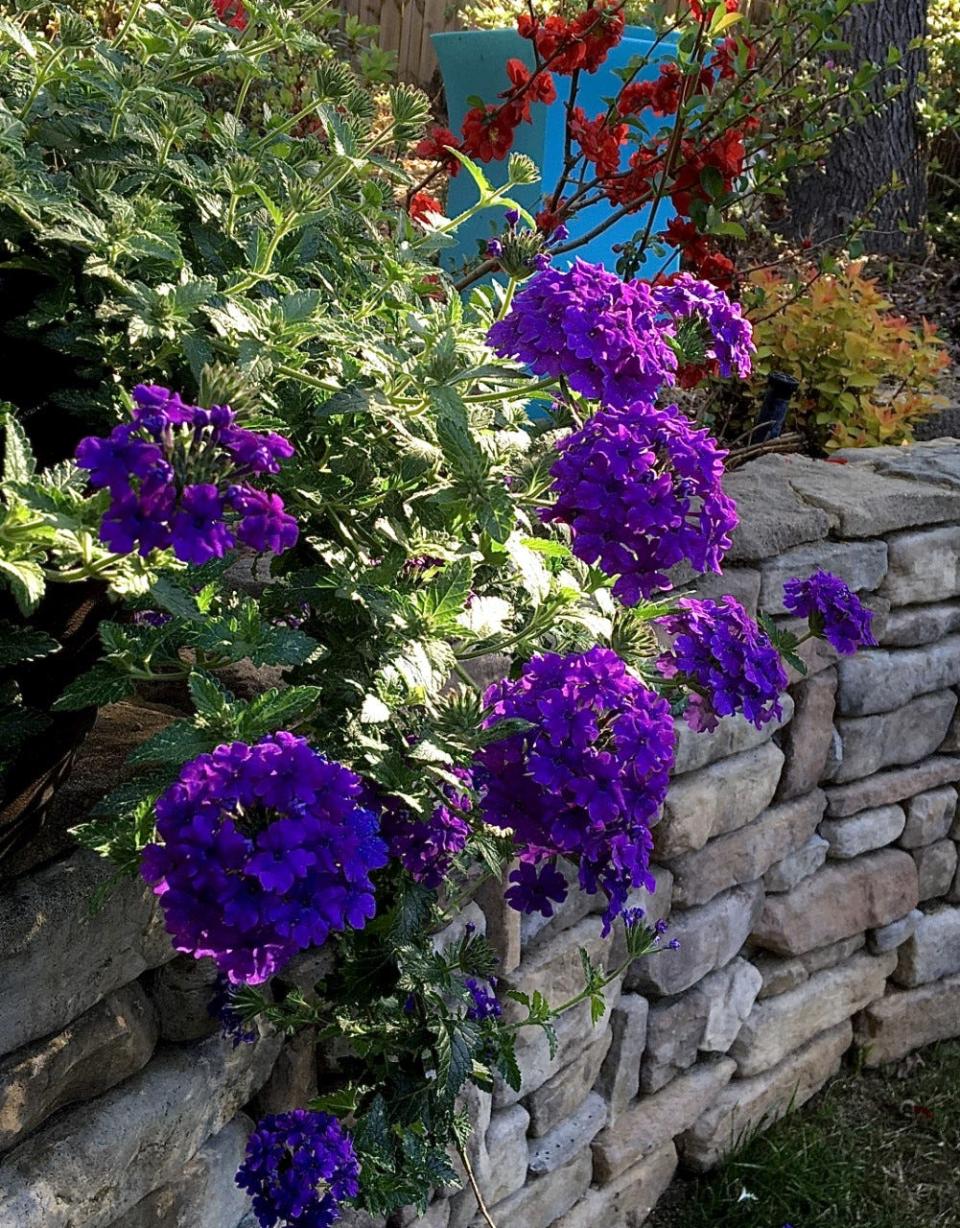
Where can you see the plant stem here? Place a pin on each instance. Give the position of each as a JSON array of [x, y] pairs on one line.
[[468, 1169]]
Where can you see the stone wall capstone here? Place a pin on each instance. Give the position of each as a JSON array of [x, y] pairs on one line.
[[809, 871]]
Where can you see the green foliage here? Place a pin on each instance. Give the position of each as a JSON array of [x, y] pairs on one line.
[[940, 108], [865, 373]]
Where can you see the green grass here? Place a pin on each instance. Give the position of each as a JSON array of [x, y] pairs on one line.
[[878, 1149]]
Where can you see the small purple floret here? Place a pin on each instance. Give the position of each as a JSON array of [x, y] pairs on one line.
[[832, 610]]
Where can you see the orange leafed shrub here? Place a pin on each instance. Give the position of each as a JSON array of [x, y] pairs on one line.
[[866, 374]]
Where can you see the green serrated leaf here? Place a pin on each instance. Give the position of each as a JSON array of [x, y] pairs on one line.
[[19, 464], [104, 684], [278, 709]]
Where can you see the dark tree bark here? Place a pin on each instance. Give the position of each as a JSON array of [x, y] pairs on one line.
[[866, 157]]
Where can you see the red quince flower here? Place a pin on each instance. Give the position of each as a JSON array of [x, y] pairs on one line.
[[231, 13], [488, 131], [436, 145], [599, 140], [421, 204]]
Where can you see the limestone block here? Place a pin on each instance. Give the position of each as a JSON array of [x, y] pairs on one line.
[[705, 1019], [936, 866], [470, 916], [732, 736], [437, 1215], [930, 816], [654, 1120], [629, 1199], [505, 1145], [743, 583], [182, 991], [554, 967], [562, 1095], [907, 1019], [773, 517], [293, 1079], [781, 975], [932, 951], [107, 1044], [746, 1104], [861, 565], [889, 937], [840, 900], [906, 735], [619, 1075], [204, 1193], [795, 867], [806, 741], [863, 832], [892, 785], [909, 626], [923, 566], [744, 855], [884, 679], [778, 1026], [569, 1136], [502, 924], [58, 957], [863, 503], [544, 1199], [709, 936], [98, 1160], [717, 799]]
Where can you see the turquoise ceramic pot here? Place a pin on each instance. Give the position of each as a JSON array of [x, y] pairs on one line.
[[473, 64]]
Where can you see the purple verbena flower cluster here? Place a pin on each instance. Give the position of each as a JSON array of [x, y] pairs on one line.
[[585, 781], [177, 476], [641, 491], [484, 1004], [727, 662], [299, 1168], [729, 335], [426, 847], [832, 610], [266, 851], [600, 333]]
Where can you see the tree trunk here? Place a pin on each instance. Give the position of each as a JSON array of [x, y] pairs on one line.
[[866, 157]]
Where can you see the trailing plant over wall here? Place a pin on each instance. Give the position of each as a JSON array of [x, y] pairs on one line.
[[280, 365]]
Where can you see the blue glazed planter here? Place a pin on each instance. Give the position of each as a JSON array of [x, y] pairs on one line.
[[473, 63]]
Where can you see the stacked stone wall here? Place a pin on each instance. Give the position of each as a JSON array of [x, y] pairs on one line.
[[809, 872]]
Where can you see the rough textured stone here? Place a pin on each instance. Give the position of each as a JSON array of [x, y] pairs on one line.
[[861, 565], [773, 517], [807, 739], [181, 991], [293, 1079], [620, 1073], [838, 901], [930, 816], [560, 1096], [107, 1044], [437, 1216], [863, 503], [502, 924], [569, 1137], [746, 1104], [732, 736], [907, 1019], [58, 958], [554, 967], [629, 1199], [863, 832], [778, 1026], [908, 626], [932, 951], [653, 1120], [204, 1193], [883, 679], [951, 743], [505, 1144], [744, 855], [924, 566], [892, 785], [780, 975], [101, 1158], [477, 1105], [936, 866], [934, 461], [709, 937], [743, 583], [544, 1199], [889, 739], [889, 937], [795, 867], [705, 1019], [717, 799]]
